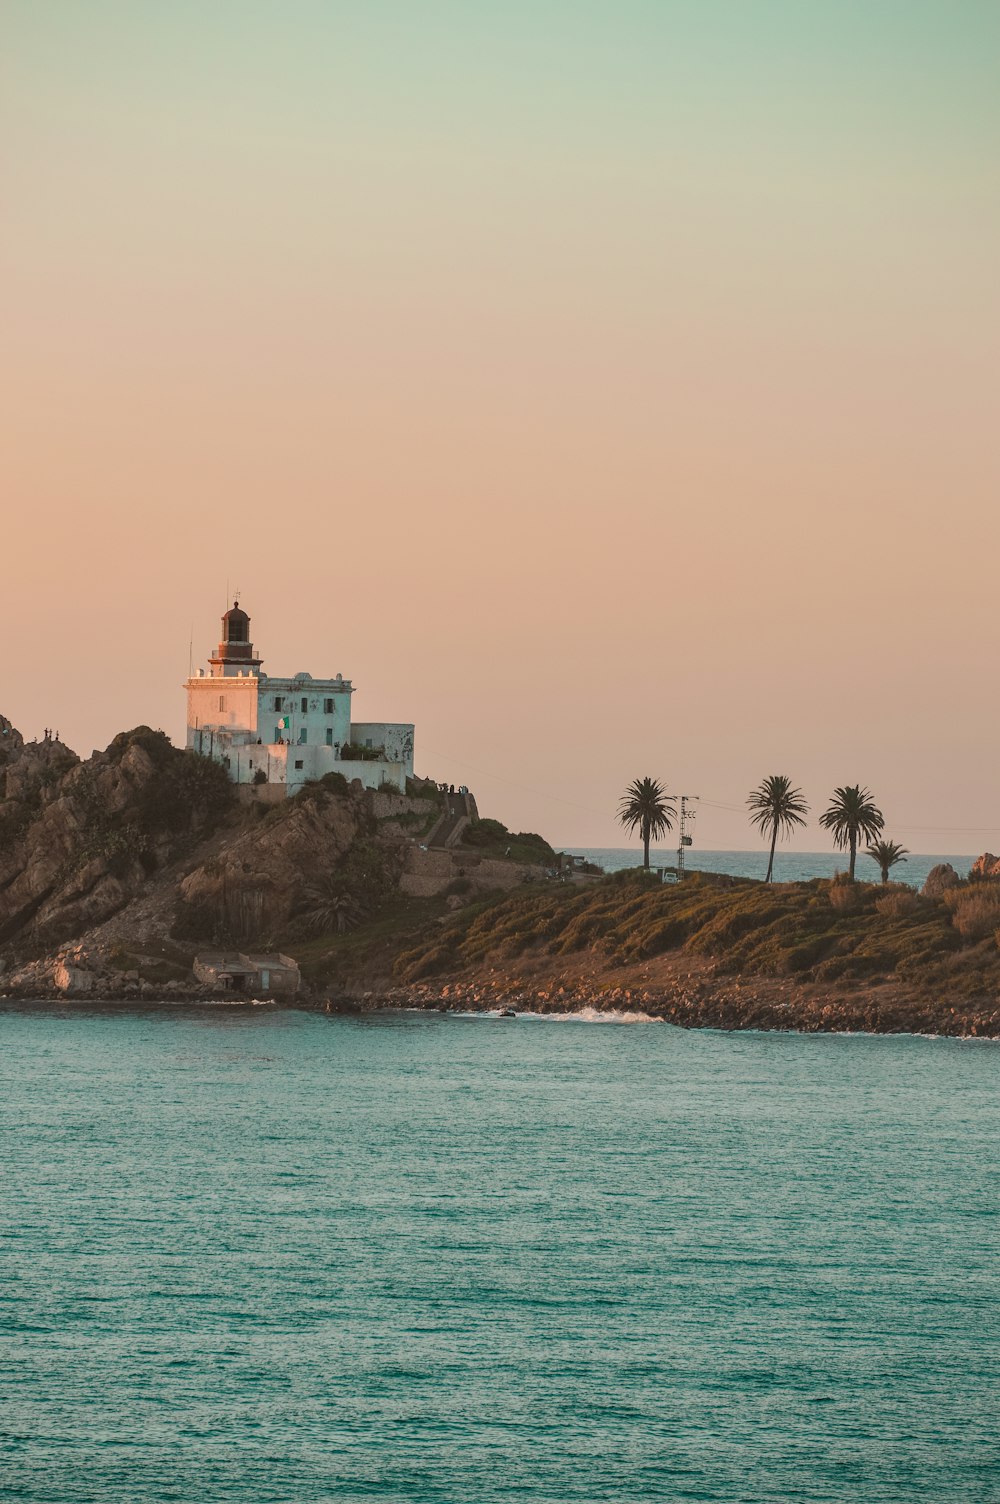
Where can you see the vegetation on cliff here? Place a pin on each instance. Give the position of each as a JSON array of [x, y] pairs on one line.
[[819, 931], [491, 838]]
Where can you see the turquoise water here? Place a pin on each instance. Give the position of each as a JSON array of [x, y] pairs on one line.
[[789, 866], [252, 1255]]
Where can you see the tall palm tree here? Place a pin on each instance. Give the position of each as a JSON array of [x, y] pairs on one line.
[[776, 808], [887, 854], [646, 806], [853, 814]]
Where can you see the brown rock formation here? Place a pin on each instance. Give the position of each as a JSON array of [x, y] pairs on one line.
[[938, 879]]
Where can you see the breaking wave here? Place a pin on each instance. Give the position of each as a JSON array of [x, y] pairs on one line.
[[585, 1015]]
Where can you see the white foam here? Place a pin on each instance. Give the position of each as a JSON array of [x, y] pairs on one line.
[[584, 1015]]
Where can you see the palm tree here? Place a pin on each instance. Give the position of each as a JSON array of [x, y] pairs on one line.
[[887, 854], [645, 806], [326, 905], [776, 808], [852, 814]]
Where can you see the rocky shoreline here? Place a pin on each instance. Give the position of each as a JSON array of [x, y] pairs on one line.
[[737, 1004], [731, 1004]]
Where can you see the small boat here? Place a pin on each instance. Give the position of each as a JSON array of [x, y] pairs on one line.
[[507, 1013]]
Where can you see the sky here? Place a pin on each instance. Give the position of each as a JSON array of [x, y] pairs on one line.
[[609, 389]]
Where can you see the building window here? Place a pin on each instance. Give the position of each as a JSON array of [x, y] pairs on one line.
[[279, 702], [368, 741], [298, 762], [329, 736], [303, 737], [328, 707], [222, 702], [305, 705], [277, 735]]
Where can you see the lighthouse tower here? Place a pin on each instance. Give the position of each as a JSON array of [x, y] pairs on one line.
[[234, 655]]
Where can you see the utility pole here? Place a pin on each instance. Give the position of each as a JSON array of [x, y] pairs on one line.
[[687, 815]]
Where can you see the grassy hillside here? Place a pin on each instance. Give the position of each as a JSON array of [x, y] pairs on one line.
[[819, 931]]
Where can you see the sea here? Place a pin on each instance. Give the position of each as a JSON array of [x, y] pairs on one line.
[[789, 866], [270, 1256]]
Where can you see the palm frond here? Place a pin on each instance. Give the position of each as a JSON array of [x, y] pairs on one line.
[[852, 812], [646, 806], [776, 807]]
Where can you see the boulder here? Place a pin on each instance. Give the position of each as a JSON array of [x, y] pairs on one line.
[[986, 865], [69, 978], [939, 879]]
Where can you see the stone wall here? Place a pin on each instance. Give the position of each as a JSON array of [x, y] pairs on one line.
[[395, 737], [428, 873]]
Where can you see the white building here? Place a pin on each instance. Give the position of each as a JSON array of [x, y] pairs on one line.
[[286, 731]]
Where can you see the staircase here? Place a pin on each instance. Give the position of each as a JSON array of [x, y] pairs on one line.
[[459, 812]]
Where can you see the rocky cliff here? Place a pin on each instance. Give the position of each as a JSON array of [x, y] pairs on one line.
[[115, 871], [78, 840]]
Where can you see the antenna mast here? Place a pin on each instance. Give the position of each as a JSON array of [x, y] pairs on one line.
[[687, 817]]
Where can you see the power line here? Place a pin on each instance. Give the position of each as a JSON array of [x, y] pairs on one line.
[[733, 809]]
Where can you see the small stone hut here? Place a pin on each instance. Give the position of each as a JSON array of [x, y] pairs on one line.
[[256, 975]]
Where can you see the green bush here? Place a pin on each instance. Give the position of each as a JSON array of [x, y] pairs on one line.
[[156, 744], [485, 833], [424, 788], [335, 783], [319, 788], [189, 791]]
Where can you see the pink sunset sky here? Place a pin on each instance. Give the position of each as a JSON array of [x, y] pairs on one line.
[[610, 390]]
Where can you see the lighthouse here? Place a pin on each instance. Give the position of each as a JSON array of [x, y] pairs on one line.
[[287, 731], [234, 654]]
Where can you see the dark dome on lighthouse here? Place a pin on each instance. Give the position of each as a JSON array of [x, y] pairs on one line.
[[236, 625], [235, 651]]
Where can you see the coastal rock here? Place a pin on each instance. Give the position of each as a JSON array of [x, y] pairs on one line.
[[939, 879], [986, 865], [11, 740], [253, 886]]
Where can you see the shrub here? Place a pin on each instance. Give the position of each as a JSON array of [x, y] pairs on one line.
[[975, 911], [424, 788], [898, 903], [335, 783], [156, 744], [188, 790], [260, 776], [843, 896], [317, 788], [485, 833]]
